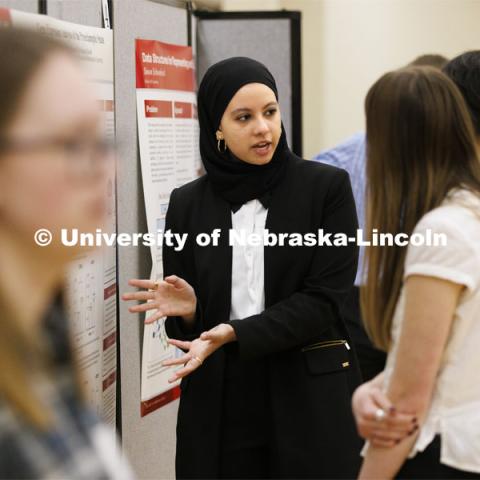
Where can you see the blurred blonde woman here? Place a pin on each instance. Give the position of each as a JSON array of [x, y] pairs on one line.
[[422, 303], [53, 165]]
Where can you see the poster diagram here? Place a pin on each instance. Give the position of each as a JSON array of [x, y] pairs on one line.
[[91, 284], [169, 153], [85, 310]]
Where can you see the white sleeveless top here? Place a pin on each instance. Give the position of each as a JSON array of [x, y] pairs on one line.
[[454, 412]]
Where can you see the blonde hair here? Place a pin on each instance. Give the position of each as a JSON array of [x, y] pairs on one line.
[[22, 359]]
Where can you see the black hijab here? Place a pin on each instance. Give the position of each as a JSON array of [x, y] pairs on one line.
[[235, 180]]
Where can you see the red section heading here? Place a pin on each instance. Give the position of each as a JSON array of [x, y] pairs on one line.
[[165, 66], [5, 17], [109, 341], [182, 110], [148, 406], [109, 291], [110, 380], [158, 109]]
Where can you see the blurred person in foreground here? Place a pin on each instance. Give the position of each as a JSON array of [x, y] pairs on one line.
[[53, 175], [351, 156]]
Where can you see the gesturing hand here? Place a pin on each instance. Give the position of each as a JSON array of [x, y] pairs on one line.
[[199, 349], [172, 296]]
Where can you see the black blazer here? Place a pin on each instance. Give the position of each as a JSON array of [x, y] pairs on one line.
[[311, 373]]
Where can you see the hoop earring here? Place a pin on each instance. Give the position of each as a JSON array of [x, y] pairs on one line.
[[224, 146]]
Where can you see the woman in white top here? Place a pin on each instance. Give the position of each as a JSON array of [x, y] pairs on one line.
[[422, 301]]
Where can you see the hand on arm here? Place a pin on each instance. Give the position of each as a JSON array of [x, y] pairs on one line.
[[429, 310], [367, 401]]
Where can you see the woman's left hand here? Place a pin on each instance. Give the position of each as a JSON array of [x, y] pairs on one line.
[[386, 431], [199, 349]]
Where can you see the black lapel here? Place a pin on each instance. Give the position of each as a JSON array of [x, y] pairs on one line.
[[279, 220], [219, 258]]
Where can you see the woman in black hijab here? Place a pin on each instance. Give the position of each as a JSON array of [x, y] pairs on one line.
[[267, 372], [236, 181]]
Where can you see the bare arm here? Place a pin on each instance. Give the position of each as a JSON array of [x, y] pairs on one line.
[[429, 312]]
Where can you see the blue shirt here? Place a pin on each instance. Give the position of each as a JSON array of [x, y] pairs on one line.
[[350, 155]]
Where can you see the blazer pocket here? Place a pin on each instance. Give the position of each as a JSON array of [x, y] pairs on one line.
[[327, 357]]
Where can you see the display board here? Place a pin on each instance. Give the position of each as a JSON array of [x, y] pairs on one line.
[[149, 442], [30, 6], [86, 12], [170, 157]]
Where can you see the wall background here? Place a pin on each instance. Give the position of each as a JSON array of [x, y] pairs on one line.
[[348, 44]]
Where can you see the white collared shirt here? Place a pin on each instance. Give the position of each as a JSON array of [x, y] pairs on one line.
[[248, 293]]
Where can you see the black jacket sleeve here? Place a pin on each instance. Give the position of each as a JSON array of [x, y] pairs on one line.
[[307, 313], [177, 263]]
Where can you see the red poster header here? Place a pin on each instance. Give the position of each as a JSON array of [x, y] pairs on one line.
[[158, 108], [165, 66], [182, 110]]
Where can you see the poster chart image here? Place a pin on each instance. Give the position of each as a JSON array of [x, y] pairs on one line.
[[91, 285], [169, 154], [92, 310]]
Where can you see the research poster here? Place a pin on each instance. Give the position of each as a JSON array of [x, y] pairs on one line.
[[91, 284], [169, 154]]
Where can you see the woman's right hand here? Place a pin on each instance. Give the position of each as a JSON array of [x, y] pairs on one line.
[[172, 296], [381, 429]]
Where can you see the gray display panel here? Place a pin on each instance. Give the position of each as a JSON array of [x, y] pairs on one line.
[[30, 6], [149, 442], [86, 12]]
